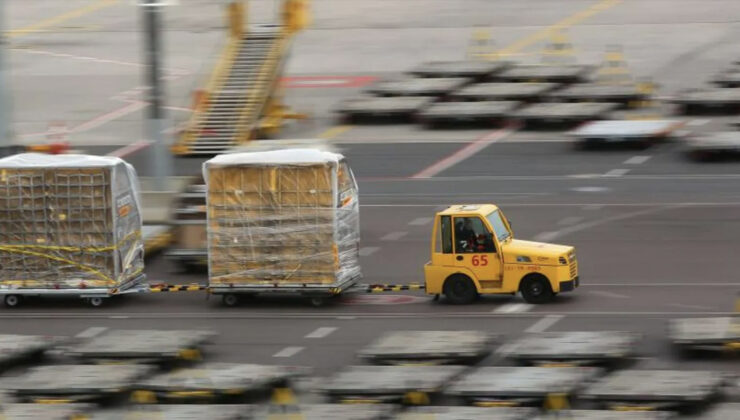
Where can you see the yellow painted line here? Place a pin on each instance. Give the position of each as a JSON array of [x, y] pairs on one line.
[[56, 20], [560, 25], [334, 132]]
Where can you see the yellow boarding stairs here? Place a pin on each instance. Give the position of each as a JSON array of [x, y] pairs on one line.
[[242, 98]]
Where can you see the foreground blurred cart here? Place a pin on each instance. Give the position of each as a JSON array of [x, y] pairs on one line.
[[572, 347], [717, 333], [429, 347], [640, 133], [15, 348], [467, 413]]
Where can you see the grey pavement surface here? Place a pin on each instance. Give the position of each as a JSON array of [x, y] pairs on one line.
[[656, 234]]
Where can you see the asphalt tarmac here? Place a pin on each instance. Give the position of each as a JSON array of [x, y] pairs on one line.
[[656, 234]]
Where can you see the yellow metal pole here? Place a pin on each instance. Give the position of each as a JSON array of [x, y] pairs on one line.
[[236, 18]]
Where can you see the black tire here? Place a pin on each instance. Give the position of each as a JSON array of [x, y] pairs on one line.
[[230, 299], [460, 290], [317, 301], [12, 301], [536, 289], [96, 302]]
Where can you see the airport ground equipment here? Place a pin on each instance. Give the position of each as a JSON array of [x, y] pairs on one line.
[[69, 225], [158, 346], [414, 385], [607, 415], [709, 100], [427, 86], [331, 412], [636, 132], [497, 91], [243, 99], [573, 347], [716, 145], [729, 78], [374, 109], [520, 386], [718, 333], [557, 73], [467, 413], [477, 70], [624, 94], [429, 347], [635, 389], [15, 348], [282, 221], [214, 382], [561, 113], [723, 411], [483, 113], [156, 238], [73, 383], [44, 411], [473, 252], [178, 412]]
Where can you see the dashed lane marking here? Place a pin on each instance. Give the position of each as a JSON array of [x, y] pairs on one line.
[[511, 308], [572, 220], [607, 294], [288, 352], [616, 172], [367, 251], [420, 221], [56, 20], [544, 323], [393, 236], [321, 332], [92, 332], [637, 160], [334, 132], [590, 189]]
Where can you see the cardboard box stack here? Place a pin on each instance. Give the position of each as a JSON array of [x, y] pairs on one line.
[[69, 221], [285, 217]]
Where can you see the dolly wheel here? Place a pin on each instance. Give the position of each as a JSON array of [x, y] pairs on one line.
[[95, 302], [12, 301], [230, 299], [317, 301]]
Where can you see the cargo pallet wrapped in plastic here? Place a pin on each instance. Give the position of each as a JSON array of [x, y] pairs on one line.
[[282, 221], [69, 224]]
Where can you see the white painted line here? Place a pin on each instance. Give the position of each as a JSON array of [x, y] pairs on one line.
[[593, 207], [367, 251], [321, 332], [288, 352], [463, 153], [637, 160], [421, 221], [91, 332], [590, 189], [130, 149], [546, 236], [393, 236], [684, 306], [511, 308], [697, 123], [572, 220], [544, 323], [607, 294], [616, 172]]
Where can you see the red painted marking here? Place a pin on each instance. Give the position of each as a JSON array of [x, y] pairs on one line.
[[298, 82]]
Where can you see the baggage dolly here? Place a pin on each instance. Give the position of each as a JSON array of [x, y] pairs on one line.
[[383, 109], [317, 294], [141, 346], [468, 68], [625, 95], [728, 78], [637, 390], [572, 348], [95, 296], [330, 412], [178, 412], [214, 382], [566, 73], [549, 114], [520, 386], [411, 385], [723, 411], [721, 101], [640, 133], [45, 411], [709, 334], [527, 92], [74, 383], [417, 86], [15, 349], [429, 347], [609, 415], [714, 146], [466, 113], [467, 413]]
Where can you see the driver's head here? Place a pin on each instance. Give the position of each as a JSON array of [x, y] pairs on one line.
[[468, 224]]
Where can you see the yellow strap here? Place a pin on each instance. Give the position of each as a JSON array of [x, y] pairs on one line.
[[64, 260], [135, 234]]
